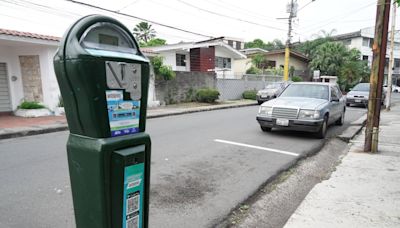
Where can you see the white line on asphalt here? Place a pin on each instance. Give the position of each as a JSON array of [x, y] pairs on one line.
[[257, 147]]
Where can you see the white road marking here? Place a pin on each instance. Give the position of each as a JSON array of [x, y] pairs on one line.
[[257, 147]]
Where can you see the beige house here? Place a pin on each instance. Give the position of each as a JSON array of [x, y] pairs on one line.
[[276, 58]]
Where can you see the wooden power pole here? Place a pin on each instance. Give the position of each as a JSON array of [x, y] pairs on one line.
[[292, 8], [377, 74]]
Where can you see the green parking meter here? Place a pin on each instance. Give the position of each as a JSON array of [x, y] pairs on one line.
[[103, 79]]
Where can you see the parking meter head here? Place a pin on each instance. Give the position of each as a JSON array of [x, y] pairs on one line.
[[103, 78]]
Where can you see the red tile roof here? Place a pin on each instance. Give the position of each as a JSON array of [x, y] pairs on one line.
[[28, 35]]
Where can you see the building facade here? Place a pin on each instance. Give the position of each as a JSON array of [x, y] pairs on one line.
[[363, 40], [213, 55]]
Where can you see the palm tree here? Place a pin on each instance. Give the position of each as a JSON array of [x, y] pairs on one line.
[[144, 32]]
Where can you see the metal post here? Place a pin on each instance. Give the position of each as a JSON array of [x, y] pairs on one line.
[[287, 48], [391, 61], [377, 73]]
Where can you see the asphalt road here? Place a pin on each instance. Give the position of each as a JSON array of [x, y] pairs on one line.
[[200, 169]]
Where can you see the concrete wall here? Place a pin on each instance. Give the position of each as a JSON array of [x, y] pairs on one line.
[[183, 87]]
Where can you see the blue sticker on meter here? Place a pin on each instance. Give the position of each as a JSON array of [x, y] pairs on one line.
[[133, 196], [123, 115]]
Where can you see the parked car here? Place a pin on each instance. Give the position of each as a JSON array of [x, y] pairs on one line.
[[359, 95], [304, 106], [395, 88], [271, 91]]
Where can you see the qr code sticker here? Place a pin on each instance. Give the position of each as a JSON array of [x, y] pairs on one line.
[[132, 203], [133, 222]]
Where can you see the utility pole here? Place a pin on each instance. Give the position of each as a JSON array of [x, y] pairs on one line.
[[292, 8], [391, 61], [377, 73]]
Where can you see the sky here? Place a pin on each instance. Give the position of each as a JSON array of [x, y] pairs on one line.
[[245, 20]]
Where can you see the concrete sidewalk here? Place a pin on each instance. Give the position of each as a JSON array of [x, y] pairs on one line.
[[13, 126], [364, 190]]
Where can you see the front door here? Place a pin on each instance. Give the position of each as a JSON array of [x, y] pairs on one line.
[[5, 104]]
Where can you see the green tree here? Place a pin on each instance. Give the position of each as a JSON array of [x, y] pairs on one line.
[[143, 32], [153, 42], [258, 61], [308, 48], [333, 58], [269, 46]]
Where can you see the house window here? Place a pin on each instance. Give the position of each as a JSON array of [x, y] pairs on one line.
[[230, 43], [396, 63], [238, 45], [371, 42], [365, 42], [365, 57], [180, 60], [221, 62]]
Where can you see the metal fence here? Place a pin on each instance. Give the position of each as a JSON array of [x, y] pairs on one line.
[[232, 89]]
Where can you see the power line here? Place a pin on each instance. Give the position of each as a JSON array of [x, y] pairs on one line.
[[305, 5], [241, 10], [230, 17], [139, 18], [332, 19]]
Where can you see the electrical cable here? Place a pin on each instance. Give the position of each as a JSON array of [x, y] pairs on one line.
[[139, 18], [230, 17]]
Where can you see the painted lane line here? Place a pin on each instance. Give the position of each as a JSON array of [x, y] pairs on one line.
[[257, 147]]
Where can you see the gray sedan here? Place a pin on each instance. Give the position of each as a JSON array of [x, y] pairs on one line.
[[304, 106], [359, 95]]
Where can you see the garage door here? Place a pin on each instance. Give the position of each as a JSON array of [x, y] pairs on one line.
[[5, 104]]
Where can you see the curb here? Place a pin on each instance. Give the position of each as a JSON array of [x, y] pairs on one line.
[[252, 197], [9, 133], [32, 131], [354, 128], [199, 109]]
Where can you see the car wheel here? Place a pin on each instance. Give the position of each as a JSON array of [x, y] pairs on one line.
[[259, 102], [267, 129], [322, 131], [340, 121], [348, 104]]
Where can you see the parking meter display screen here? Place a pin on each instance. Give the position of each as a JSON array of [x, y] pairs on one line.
[[105, 38], [123, 115]]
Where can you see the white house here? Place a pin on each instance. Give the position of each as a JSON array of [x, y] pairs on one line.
[[363, 41], [204, 56], [26, 69], [27, 73]]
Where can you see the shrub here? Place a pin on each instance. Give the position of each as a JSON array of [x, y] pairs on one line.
[[157, 62], [162, 70], [253, 70], [207, 95], [166, 72], [249, 94], [297, 79], [30, 105]]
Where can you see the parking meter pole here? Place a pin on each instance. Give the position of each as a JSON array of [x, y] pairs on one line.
[[103, 79]]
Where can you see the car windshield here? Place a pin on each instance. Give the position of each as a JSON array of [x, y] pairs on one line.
[[273, 86], [361, 87], [307, 90]]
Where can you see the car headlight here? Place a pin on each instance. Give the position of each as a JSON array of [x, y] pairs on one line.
[[308, 114], [265, 111]]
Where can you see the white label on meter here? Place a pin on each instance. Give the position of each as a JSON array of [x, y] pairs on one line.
[[121, 75]]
